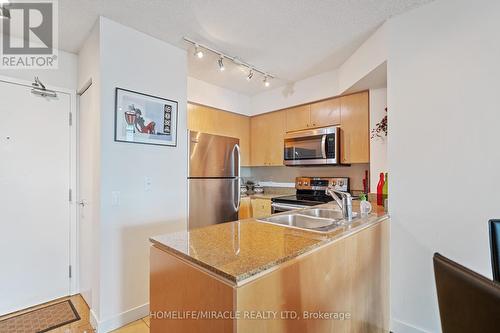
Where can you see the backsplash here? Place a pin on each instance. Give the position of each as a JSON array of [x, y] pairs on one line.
[[282, 174]]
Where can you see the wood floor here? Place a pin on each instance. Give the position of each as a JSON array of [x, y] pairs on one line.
[[83, 325]]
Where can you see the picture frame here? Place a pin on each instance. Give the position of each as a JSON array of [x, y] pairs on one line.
[[145, 119]]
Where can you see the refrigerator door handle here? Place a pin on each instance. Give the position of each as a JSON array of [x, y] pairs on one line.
[[238, 192]]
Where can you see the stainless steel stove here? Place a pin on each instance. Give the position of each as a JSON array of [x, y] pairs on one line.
[[310, 191]]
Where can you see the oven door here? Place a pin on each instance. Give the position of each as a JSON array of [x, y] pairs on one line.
[[277, 207], [312, 147]]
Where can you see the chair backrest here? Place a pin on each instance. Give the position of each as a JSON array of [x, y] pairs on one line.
[[495, 248], [468, 302]]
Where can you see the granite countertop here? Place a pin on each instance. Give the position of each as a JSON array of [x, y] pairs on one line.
[[237, 251]]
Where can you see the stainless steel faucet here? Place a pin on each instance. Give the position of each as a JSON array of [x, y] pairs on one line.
[[345, 203]]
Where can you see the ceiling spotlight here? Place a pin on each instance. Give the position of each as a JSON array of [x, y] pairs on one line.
[[266, 82], [4, 11], [198, 52], [250, 75], [221, 63]]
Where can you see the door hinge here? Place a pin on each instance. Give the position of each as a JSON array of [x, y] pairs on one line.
[[70, 119], [70, 273], [70, 195]]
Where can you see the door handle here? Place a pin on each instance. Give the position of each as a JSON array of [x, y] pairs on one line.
[[323, 146]]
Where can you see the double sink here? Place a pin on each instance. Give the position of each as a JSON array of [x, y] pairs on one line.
[[322, 220]]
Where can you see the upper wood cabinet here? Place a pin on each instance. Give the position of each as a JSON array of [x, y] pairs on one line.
[[325, 113], [267, 133], [355, 133], [298, 118], [319, 114], [213, 121]]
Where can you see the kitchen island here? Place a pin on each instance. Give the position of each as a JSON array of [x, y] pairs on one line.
[[249, 276]]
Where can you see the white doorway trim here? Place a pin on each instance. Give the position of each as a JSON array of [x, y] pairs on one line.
[[73, 246]]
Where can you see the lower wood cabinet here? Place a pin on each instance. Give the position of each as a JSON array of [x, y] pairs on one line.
[[245, 211], [261, 208], [267, 133]]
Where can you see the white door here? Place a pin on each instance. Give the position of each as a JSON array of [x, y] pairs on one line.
[[34, 197], [88, 123]]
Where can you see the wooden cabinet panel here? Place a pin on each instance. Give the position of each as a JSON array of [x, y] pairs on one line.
[[298, 118], [354, 269], [245, 211], [267, 133], [261, 208], [176, 286], [213, 121], [325, 113], [355, 134]]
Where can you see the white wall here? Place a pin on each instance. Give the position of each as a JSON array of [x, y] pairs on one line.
[[308, 90], [378, 145], [135, 61], [443, 71], [208, 94], [63, 77], [129, 59], [371, 54]]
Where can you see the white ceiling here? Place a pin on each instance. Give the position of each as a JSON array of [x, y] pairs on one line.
[[293, 39]]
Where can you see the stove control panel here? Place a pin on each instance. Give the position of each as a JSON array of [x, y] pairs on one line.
[[321, 183]]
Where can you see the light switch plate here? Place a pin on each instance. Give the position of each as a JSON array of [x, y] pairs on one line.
[[115, 198], [148, 184]]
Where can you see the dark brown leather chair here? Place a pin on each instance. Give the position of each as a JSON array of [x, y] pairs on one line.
[[495, 248], [468, 302]]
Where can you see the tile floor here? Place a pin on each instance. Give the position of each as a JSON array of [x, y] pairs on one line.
[[83, 325]]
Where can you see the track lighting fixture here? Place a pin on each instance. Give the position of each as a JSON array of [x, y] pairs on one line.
[[200, 48], [198, 52], [266, 82], [221, 63]]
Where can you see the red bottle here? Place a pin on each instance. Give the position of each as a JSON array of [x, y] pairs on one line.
[[380, 187]]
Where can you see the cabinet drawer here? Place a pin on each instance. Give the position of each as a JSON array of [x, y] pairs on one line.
[[261, 208]]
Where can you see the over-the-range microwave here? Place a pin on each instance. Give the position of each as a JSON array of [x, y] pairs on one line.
[[312, 147]]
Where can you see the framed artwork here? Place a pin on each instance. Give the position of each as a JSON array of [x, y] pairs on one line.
[[145, 119]]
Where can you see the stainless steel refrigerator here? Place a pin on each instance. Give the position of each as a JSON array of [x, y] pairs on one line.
[[214, 179]]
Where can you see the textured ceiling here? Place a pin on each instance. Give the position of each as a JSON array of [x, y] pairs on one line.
[[293, 39]]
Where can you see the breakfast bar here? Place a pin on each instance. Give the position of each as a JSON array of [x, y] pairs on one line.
[[250, 276]]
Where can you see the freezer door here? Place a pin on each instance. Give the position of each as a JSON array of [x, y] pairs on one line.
[[213, 155], [213, 201]]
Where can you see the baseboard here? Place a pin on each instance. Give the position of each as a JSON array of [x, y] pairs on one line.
[[119, 320], [402, 327], [94, 321]]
